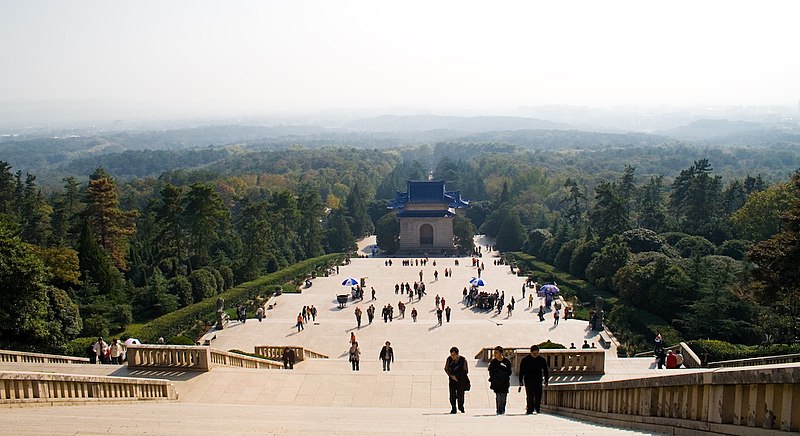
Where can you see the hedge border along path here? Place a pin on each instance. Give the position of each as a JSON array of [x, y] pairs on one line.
[[640, 321], [184, 318]]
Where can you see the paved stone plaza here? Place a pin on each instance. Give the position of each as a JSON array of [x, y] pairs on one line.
[[323, 396]]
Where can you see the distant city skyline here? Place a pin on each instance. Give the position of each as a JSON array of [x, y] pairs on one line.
[[238, 58]]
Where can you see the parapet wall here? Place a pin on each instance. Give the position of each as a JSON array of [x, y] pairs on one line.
[[744, 401]]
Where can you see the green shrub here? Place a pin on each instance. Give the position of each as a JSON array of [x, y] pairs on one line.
[[180, 340], [547, 345], [721, 350], [182, 319], [77, 347]]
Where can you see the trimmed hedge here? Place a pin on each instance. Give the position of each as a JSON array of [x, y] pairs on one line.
[[643, 325], [548, 345], [721, 350], [175, 323], [569, 285]]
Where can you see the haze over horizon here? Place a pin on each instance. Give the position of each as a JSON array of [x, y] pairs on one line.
[[248, 58]]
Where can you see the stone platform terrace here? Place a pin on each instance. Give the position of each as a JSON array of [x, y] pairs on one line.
[[323, 396]]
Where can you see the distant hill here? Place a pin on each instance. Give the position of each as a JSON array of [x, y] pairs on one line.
[[418, 123], [736, 132]]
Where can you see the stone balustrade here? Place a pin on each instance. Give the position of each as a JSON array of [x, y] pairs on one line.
[[31, 387], [738, 401], [225, 358], [560, 362], [190, 357], [755, 361], [23, 357], [275, 352], [169, 357]]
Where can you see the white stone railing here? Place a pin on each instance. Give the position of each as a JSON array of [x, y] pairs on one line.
[[275, 352], [226, 358], [24, 357], [727, 401], [560, 362], [169, 357], [755, 361], [190, 357], [30, 387]]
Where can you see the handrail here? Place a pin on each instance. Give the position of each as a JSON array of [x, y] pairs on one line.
[[25, 357], [766, 360], [690, 359], [191, 357], [559, 361], [275, 352], [35, 387], [226, 358], [726, 400]]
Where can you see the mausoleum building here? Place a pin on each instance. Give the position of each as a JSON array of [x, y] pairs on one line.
[[426, 211]]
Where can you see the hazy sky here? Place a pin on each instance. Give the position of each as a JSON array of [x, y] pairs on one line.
[[289, 55]]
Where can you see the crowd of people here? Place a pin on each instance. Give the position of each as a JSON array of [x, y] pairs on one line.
[[114, 352]]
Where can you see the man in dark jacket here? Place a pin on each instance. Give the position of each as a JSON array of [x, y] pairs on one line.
[[387, 356], [499, 378], [288, 358], [532, 371]]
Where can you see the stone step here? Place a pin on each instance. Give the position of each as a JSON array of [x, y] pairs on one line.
[[219, 418]]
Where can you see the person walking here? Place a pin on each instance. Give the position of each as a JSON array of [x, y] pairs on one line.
[[414, 314], [533, 372], [300, 322], [456, 368], [352, 338], [358, 317], [260, 313], [447, 313], [541, 313], [387, 356], [289, 357], [313, 313], [373, 293], [116, 351], [370, 313], [355, 356], [555, 317], [500, 378], [439, 315], [530, 301]]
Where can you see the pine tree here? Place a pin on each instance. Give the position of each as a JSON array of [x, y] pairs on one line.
[[66, 213], [339, 238], [511, 236], [360, 223], [310, 230], [169, 215], [205, 216], [111, 226], [6, 189], [610, 216], [95, 265], [387, 233]]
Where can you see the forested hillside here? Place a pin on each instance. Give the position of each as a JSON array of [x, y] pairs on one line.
[[702, 239]]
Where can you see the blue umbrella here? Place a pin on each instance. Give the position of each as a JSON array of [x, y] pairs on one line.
[[550, 289], [350, 282], [477, 282]]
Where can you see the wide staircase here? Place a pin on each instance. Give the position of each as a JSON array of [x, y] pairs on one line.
[[212, 390]]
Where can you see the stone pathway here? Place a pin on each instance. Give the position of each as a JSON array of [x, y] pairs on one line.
[[323, 396]]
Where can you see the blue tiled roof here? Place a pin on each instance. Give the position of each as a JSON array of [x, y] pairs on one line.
[[426, 214], [428, 192]]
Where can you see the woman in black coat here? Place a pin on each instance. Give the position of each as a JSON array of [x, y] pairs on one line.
[[499, 378], [456, 369]]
